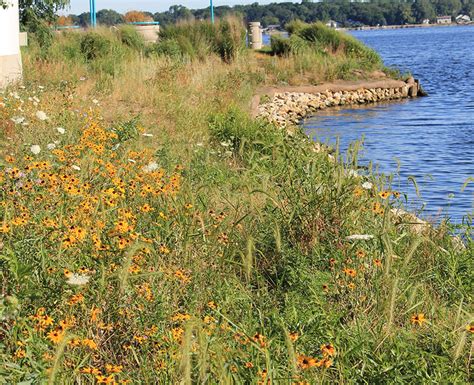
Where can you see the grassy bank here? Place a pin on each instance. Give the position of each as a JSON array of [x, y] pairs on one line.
[[153, 233]]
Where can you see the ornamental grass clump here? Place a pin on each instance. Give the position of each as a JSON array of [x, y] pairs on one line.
[[199, 39], [324, 40]]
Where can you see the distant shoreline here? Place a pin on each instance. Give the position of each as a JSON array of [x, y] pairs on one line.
[[382, 27]]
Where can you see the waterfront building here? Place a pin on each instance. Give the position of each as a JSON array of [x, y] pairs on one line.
[[443, 20]]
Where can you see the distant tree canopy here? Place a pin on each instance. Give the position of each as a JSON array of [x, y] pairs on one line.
[[345, 12]]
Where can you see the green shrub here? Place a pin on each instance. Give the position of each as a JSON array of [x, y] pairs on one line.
[[169, 47], [131, 38], [95, 45], [41, 34], [280, 45]]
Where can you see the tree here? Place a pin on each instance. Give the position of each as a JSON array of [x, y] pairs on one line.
[[136, 16], [448, 7], [423, 9], [33, 11], [64, 21], [109, 17]]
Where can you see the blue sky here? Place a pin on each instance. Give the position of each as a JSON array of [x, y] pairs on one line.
[[79, 6]]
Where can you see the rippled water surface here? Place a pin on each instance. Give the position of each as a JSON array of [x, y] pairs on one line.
[[432, 138]]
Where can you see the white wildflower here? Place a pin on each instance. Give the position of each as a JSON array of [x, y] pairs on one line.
[[18, 119], [41, 87], [367, 185], [352, 173], [60, 130], [41, 115], [35, 149], [78, 279], [95, 101], [51, 146], [74, 167], [359, 237], [150, 167], [82, 78]]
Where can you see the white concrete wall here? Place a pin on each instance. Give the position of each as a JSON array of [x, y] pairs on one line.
[[10, 58]]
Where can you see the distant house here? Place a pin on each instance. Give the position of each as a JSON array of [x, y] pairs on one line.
[[332, 24], [443, 20], [425, 21], [463, 19]]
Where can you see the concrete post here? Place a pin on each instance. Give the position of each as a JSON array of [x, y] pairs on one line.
[[10, 56], [255, 35]]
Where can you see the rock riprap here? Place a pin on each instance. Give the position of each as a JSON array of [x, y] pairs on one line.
[[287, 108]]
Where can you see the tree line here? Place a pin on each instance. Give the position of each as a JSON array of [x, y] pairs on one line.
[[346, 12]]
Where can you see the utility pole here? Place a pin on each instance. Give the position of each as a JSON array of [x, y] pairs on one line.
[[212, 12], [93, 13]]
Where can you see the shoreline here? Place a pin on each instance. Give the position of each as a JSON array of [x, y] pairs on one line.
[[288, 105], [404, 26]]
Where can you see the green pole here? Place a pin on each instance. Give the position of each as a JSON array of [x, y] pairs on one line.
[[212, 13]]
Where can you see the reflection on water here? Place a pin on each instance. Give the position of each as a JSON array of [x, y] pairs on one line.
[[432, 138]]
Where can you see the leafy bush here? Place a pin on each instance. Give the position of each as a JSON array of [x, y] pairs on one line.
[[41, 34], [95, 45], [131, 38], [280, 45]]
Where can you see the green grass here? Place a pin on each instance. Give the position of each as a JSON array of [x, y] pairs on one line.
[[245, 249]]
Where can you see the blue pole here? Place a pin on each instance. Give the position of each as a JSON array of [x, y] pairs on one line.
[[93, 14], [212, 13]]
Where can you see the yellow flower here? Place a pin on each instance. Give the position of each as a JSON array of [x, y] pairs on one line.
[[89, 343], [56, 336], [418, 319], [113, 368], [294, 336], [384, 194], [306, 362], [328, 350], [20, 353]]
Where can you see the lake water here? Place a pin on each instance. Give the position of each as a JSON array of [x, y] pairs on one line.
[[432, 138]]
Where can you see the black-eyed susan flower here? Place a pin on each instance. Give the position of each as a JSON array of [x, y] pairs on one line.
[[328, 350], [418, 319]]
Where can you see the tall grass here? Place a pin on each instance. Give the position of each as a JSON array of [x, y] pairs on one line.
[[199, 39], [324, 40]]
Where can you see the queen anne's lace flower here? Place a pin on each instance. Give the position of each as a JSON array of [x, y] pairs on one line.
[[150, 167], [78, 279], [41, 115], [35, 149]]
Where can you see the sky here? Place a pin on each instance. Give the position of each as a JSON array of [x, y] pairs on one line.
[[79, 6]]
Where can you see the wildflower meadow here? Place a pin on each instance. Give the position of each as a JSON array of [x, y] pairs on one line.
[[152, 232]]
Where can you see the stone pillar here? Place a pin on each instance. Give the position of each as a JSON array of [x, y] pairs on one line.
[[149, 32], [255, 35], [10, 56]]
